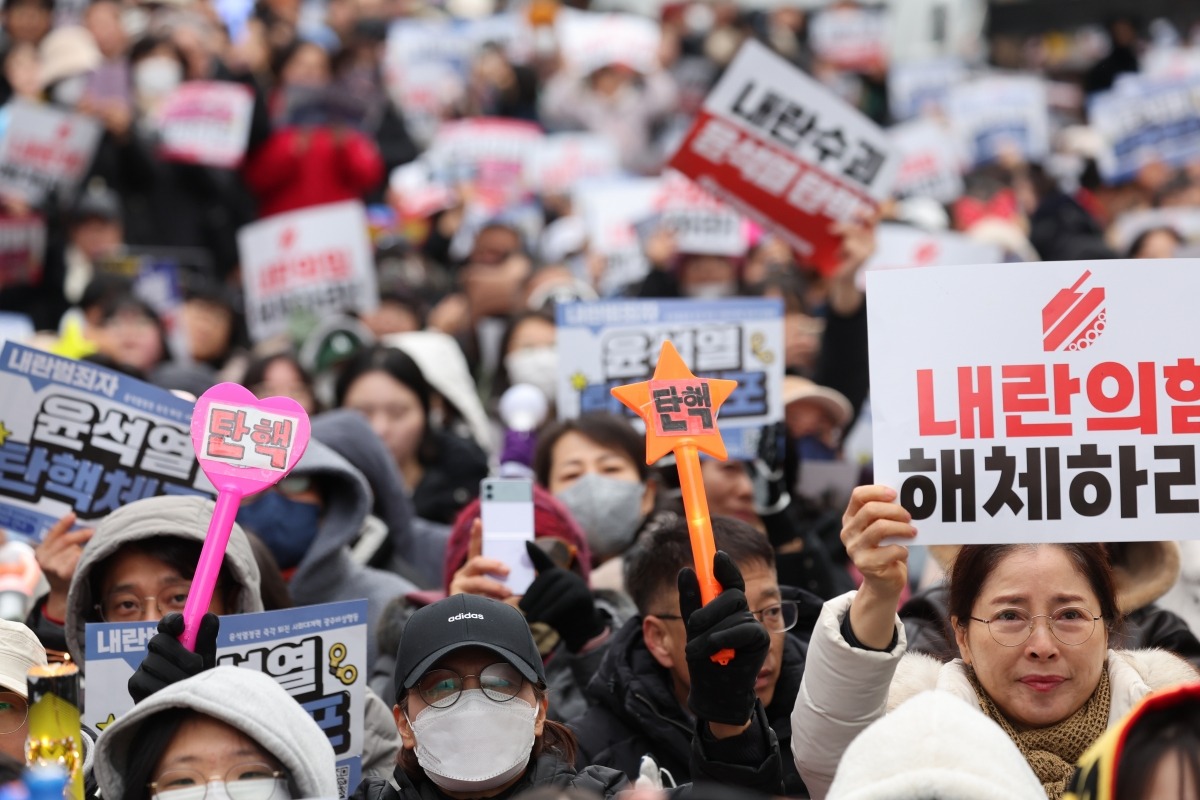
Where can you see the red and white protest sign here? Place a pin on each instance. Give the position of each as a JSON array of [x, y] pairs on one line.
[[850, 38], [562, 159], [45, 148], [900, 246], [250, 436], [610, 209], [782, 149], [22, 247], [486, 157], [1038, 402], [588, 40], [206, 122], [931, 163], [701, 223], [316, 261]]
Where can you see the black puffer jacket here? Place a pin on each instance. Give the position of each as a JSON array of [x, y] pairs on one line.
[[547, 770], [926, 618], [634, 711]]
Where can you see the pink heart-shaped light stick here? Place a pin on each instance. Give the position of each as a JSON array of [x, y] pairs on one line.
[[244, 445]]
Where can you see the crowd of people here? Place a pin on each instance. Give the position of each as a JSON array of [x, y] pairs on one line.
[[862, 668]]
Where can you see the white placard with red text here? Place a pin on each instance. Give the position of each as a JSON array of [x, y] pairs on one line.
[[1055, 401], [45, 148], [899, 246], [782, 149], [701, 224], [316, 261], [588, 40], [850, 37], [206, 122], [561, 159], [931, 162]]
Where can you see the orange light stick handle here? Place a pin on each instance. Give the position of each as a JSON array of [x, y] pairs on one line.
[[695, 508]]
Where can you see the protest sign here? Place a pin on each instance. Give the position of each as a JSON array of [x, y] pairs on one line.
[[700, 223], [79, 437], [781, 149], [930, 161], [1038, 402], [1184, 220], [999, 115], [924, 29], [206, 122], [588, 41], [919, 88], [22, 247], [850, 37], [616, 342], [315, 261], [900, 246], [610, 210], [562, 159], [44, 149], [317, 653], [1147, 120], [486, 157]]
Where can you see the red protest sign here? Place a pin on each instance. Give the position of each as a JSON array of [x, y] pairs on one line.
[[249, 437], [784, 150]]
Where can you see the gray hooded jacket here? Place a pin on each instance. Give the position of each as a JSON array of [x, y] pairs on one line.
[[249, 701]]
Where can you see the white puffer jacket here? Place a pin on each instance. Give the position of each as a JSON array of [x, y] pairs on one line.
[[845, 689]]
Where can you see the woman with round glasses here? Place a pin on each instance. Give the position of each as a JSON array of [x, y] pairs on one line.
[[1032, 625], [471, 704], [225, 734]]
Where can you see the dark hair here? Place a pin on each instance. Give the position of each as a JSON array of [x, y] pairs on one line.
[[401, 367], [115, 304], [289, 51], [10, 769], [177, 553], [501, 380], [146, 45], [272, 588], [607, 430], [974, 563], [556, 738], [256, 370], [1141, 238], [652, 564], [1155, 736]]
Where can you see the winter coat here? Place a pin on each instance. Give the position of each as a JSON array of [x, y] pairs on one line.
[[546, 770], [263, 711], [1183, 598], [847, 688], [451, 480], [302, 167], [634, 711]]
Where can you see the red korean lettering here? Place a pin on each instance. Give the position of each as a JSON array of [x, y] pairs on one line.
[[1183, 386], [1023, 391], [927, 422], [226, 427], [1127, 387], [976, 397], [273, 437]]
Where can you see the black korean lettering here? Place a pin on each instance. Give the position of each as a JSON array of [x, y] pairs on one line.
[[918, 486], [1185, 456], [1031, 481], [1003, 495], [958, 482], [1131, 479], [1089, 460], [830, 144], [790, 126], [756, 113], [866, 164], [1053, 484]]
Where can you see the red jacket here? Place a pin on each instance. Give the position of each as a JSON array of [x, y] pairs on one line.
[[302, 167]]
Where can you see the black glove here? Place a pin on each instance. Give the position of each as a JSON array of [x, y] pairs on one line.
[[167, 661], [767, 472], [722, 694], [562, 600]]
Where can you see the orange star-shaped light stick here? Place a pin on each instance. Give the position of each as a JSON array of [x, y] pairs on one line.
[[680, 411]]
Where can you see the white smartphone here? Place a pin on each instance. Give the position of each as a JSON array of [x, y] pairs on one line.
[[506, 511]]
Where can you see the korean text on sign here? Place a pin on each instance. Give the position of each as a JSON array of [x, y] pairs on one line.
[[786, 151], [1047, 402], [249, 437]]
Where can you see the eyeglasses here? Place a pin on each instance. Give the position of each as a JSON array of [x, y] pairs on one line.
[[128, 607], [14, 710], [441, 688], [252, 781], [778, 618], [1012, 627]]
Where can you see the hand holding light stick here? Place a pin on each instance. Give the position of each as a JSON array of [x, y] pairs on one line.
[[244, 445], [680, 412]]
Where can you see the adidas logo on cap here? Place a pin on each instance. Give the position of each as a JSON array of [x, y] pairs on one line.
[[465, 615]]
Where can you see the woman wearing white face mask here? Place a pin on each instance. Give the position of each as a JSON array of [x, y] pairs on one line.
[[188, 741], [471, 705], [528, 355]]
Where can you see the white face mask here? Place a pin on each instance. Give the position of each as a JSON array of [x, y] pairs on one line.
[[476, 744], [537, 366], [157, 76], [608, 509]]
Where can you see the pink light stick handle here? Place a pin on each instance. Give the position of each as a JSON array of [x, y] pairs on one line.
[[208, 569]]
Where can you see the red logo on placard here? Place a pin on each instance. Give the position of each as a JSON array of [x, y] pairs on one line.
[[1075, 318], [287, 238]]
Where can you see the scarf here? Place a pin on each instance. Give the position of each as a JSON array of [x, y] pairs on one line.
[[1053, 751]]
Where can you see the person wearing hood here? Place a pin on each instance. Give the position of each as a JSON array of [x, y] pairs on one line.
[[394, 538], [638, 697], [934, 745], [1143, 572], [471, 703], [310, 520], [188, 741], [138, 565]]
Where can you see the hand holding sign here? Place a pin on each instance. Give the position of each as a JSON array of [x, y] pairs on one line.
[[244, 445], [680, 412]]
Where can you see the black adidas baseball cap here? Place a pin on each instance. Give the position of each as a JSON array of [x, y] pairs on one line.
[[465, 620]]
